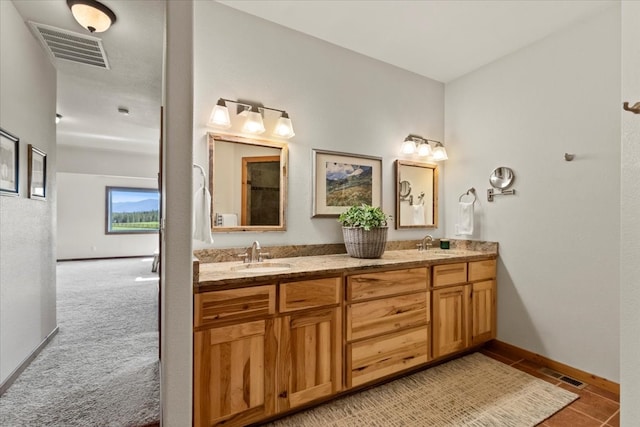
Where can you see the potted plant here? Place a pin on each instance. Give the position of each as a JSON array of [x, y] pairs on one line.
[[364, 229]]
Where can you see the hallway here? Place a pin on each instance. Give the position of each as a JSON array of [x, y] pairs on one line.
[[102, 366]]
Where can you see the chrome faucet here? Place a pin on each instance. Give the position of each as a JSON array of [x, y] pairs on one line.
[[427, 242], [254, 253]]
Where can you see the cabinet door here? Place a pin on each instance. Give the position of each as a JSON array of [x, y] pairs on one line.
[[450, 320], [483, 311], [310, 362], [234, 379]]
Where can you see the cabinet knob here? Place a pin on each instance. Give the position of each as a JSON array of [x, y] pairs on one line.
[[284, 394]]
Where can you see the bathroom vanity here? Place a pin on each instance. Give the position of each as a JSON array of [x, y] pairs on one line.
[[315, 327]]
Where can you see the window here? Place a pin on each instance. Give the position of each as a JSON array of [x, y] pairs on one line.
[[132, 210]]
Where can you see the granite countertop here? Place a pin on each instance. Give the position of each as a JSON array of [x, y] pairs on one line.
[[219, 275]]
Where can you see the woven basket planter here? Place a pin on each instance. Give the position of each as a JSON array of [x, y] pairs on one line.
[[365, 244]]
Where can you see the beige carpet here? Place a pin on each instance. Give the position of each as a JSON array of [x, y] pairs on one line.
[[471, 391]]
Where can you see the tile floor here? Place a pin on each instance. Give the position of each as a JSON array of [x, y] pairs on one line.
[[595, 407]]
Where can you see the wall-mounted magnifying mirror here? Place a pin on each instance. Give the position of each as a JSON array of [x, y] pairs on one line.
[[417, 195], [501, 178], [247, 180], [404, 190]]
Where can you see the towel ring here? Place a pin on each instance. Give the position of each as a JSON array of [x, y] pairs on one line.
[[470, 192]]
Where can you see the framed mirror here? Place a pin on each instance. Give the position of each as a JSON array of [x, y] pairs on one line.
[[248, 183], [416, 195]]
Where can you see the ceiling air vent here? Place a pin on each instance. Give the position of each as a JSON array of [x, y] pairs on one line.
[[70, 46]]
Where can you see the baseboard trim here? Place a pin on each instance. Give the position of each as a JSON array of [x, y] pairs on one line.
[[25, 363], [104, 258], [578, 374]]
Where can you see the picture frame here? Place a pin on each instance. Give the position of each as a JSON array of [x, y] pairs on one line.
[[37, 173], [341, 180], [9, 164]]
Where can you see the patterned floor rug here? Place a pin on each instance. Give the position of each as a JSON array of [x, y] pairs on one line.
[[471, 391]]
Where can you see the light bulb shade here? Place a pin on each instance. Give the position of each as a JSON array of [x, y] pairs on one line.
[[424, 149], [92, 15], [220, 116], [284, 128], [439, 153], [253, 123], [408, 146]]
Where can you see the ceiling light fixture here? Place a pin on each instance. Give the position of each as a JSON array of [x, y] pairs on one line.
[[58, 118], [253, 118], [413, 144], [92, 15]]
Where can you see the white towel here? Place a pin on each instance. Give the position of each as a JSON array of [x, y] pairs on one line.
[[465, 219], [418, 214], [202, 215], [228, 220]]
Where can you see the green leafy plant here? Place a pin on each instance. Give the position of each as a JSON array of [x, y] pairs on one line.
[[364, 216]]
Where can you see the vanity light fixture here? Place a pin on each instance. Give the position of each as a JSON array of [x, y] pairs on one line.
[[220, 115], [253, 118], [92, 15], [414, 144], [439, 153], [284, 128], [253, 123], [408, 146]]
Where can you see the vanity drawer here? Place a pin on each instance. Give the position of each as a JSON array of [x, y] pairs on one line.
[[370, 318], [211, 308], [309, 294], [449, 274], [482, 270], [376, 285], [379, 357]]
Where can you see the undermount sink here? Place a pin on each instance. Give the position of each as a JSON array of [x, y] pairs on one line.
[[262, 267], [440, 254]]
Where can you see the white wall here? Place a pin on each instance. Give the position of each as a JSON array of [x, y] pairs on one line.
[[338, 100], [560, 234], [27, 227], [82, 160], [176, 268], [630, 226], [81, 218], [83, 174]]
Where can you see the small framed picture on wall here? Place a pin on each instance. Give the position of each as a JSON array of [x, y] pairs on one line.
[[37, 173], [9, 165]]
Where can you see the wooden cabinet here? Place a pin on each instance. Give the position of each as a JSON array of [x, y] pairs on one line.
[[310, 362], [234, 360], [464, 306], [449, 274], [483, 311], [263, 350], [252, 361], [387, 323], [310, 358], [451, 320]]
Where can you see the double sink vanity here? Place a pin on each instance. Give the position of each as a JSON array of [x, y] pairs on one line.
[[286, 333]]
